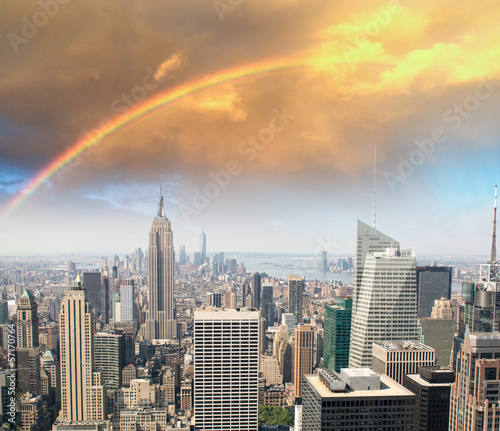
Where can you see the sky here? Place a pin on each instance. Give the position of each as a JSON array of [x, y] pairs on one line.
[[260, 120]]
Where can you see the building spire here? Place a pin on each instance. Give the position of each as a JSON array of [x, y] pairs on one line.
[[161, 209], [375, 190], [493, 253]]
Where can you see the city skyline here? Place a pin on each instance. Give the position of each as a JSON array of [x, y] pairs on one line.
[[257, 118]]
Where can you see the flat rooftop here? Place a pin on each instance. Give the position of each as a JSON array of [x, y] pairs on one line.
[[402, 345], [418, 379], [388, 388]]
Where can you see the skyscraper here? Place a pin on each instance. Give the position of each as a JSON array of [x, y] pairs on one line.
[[182, 255], [203, 247], [268, 304], [92, 283], [226, 367], [295, 293], [324, 260], [387, 304], [369, 240], [83, 393], [433, 282], [27, 321], [161, 323], [337, 334], [109, 356], [303, 356], [475, 393], [256, 290], [127, 301]]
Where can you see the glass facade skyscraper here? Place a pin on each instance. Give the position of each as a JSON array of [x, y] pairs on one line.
[[337, 334]]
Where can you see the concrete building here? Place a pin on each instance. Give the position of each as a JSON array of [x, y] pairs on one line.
[[398, 358], [475, 394], [127, 306], [129, 373], [83, 392], [28, 370], [337, 334], [358, 399], [144, 418], [160, 322], [432, 389], [438, 334], [27, 321], [34, 415], [386, 308], [270, 369], [226, 366], [109, 355], [295, 294], [303, 350]]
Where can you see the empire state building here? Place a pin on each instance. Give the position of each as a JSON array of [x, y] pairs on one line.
[[161, 323]]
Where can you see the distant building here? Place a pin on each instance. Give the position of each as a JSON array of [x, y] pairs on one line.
[[399, 358], [109, 355], [303, 356], [295, 294], [433, 282], [203, 247], [127, 306], [256, 290], [358, 399], [182, 255], [324, 260], [432, 389], [93, 286], [337, 334], [214, 300], [267, 309], [27, 321]]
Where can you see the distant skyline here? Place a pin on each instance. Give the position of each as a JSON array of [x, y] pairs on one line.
[[259, 119]]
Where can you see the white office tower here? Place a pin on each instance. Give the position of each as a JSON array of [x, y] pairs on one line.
[[386, 308], [161, 323], [226, 369], [83, 394]]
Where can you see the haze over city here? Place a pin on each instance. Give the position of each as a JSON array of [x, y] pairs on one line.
[[258, 118]]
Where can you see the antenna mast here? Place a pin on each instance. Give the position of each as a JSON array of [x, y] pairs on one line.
[[493, 254], [375, 190]]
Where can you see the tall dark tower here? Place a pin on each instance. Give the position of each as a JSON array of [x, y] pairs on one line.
[[256, 290], [27, 321], [161, 323]]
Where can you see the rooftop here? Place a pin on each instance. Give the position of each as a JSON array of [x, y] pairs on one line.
[[388, 388], [401, 345]]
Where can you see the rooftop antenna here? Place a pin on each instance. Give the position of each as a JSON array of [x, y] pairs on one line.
[[161, 210], [375, 190]]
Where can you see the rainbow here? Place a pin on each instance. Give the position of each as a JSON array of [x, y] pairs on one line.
[[148, 106]]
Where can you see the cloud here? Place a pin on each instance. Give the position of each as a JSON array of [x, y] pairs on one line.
[[174, 62]]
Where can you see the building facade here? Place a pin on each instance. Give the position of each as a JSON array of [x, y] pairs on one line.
[[83, 393], [337, 334], [161, 323], [295, 295], [386, 308], [433, 282], [398, 358], [303, 350], [226, 366]]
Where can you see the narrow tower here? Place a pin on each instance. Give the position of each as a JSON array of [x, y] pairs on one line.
[[493, 253], [161, 323]]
